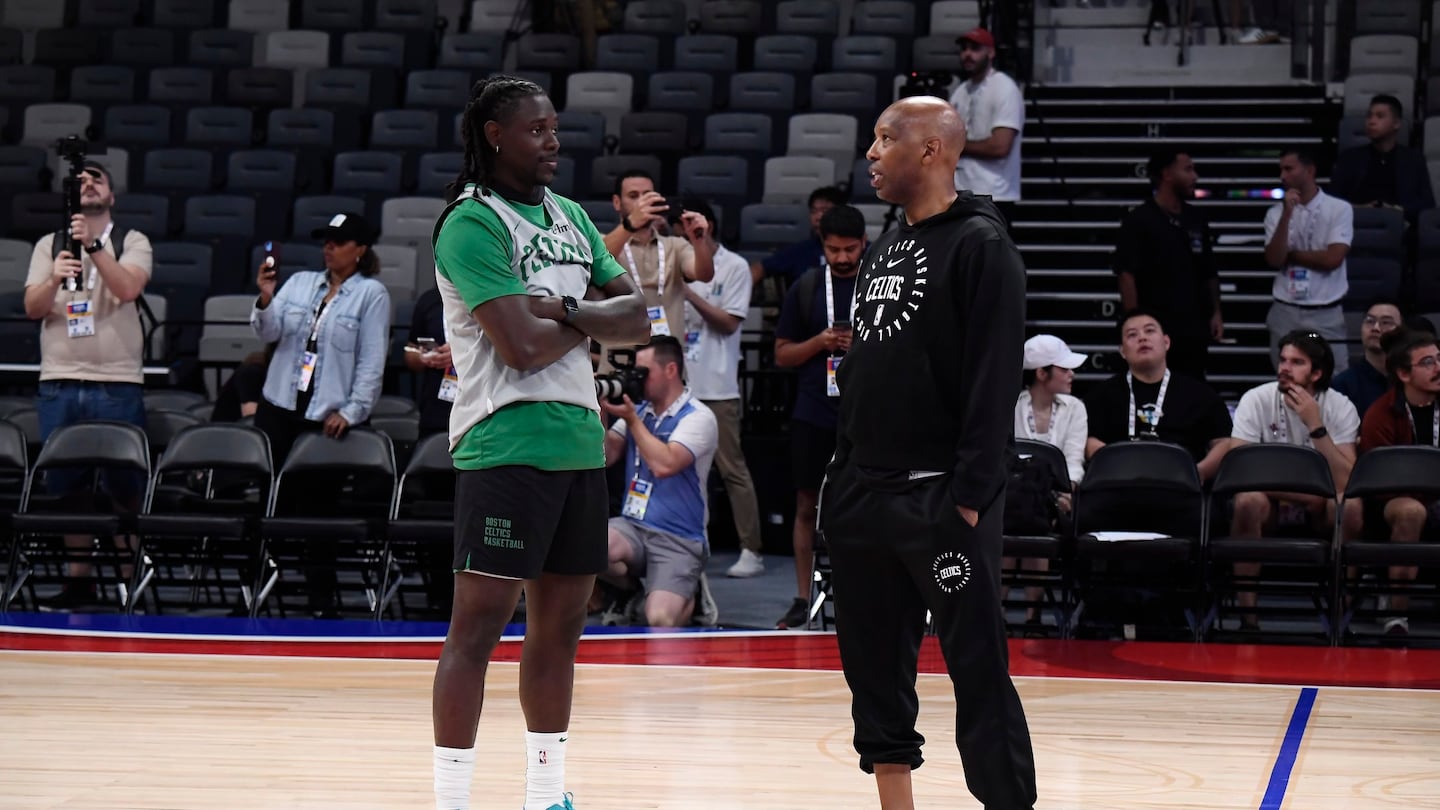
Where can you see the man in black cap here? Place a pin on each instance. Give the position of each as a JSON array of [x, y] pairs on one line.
[[993, 109], [91, 344]]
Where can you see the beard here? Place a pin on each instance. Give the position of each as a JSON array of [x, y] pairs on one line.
[[91, 208]]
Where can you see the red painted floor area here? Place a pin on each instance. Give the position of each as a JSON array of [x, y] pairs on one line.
[[1218, 663]]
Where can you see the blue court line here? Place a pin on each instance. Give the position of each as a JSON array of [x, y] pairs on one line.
[[1289, 750]]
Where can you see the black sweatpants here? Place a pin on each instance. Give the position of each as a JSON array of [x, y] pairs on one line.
[[899, 548]]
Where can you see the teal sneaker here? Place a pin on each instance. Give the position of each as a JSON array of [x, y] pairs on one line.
[[567, 802]]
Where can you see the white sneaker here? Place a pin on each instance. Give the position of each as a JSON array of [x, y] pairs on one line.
[[707, 613], [750, 564], [1256, 36]]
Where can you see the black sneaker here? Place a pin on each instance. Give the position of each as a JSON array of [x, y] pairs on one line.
[[797, 617], [69, 598]]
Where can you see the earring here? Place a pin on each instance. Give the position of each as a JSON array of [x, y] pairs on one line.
[[497, 148]]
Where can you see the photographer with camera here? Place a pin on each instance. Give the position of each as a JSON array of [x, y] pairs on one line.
[[660, 265], [993, 109], [667, 442], [812, 336], [91, 338]]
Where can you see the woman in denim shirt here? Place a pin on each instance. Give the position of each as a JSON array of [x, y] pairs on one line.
[[332, 336]]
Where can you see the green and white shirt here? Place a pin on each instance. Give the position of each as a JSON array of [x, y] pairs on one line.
[[491, 247]]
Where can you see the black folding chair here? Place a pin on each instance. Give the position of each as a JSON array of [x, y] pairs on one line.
[[1052, 547], [421, 535], [1379, 475], [202, 512], [14, 477], [116, 447], [1138, 584], [328, 512], [1297, 561]]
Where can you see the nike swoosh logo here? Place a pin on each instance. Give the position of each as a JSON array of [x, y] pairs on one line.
[[563, 739], [897, 261]]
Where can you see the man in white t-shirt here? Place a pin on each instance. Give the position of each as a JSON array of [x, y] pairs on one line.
[[1307, 237], [993, 109], [714, 311], [1300, 409]]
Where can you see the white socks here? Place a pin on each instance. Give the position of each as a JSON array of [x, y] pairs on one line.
[[454, 768], [544, 769], [544, 773]]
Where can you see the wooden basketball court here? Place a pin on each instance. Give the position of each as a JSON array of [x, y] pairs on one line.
[[156, 720]]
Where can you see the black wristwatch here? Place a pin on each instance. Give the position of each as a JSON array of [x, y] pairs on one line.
[[571, 307], [625, 223], [96, 246], [1319, 433]]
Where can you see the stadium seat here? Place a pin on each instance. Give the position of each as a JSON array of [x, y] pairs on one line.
[[1385, 54], [181, 88], [817, 18], [737, 18], [654, 17], [764, 227], [789, 180], [221, 48], [264, 15], [144, 125], [47, 123], [707, 53], [185, 14], [892, 18]]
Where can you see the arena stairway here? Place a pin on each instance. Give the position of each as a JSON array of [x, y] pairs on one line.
[[1085, 151]]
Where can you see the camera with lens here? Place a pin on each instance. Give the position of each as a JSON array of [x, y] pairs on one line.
[[627, 380], [74, 150], [932, 83]]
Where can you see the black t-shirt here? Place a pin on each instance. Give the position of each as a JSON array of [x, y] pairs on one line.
[[802, 320], [1193, 414], [1378, 182], [429, 322], [245, 385], [1170, 258], [1424, 424]]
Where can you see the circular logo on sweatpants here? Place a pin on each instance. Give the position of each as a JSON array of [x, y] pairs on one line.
[[952, 571]]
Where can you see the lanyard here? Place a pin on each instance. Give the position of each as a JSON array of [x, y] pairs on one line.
[[660, 418], [1415, 434], [830, 300], [1034, 434], [1159, 402], [320, 312], [659, 267], [1280, 428]]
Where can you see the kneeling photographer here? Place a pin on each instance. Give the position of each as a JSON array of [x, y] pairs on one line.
[[667, 443], [83, 285]]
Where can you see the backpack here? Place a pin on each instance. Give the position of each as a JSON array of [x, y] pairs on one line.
[[1030, 508]]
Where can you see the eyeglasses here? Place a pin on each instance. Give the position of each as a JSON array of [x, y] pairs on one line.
[[1383, 323], [1427, 362]]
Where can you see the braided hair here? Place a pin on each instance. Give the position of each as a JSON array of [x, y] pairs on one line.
[[491, 99]]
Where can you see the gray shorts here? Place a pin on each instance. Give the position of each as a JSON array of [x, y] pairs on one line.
[[673, 564]]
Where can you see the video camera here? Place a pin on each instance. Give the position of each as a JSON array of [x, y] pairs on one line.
[[627, 380], [73, 150], [933, 83]]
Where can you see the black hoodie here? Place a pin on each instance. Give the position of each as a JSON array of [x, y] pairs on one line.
[[932, 373]]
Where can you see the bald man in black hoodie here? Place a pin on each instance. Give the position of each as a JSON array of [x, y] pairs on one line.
[[912, 506]]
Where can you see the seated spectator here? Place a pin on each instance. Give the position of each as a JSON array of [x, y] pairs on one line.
[[427, 353], [1164, 262], [1046, 412], [1148, 403], [1296, 409], [1406, 414], [240, 396], [1363, 383], [1386, 173], [792, 262], [1307, 238], [667, 444]]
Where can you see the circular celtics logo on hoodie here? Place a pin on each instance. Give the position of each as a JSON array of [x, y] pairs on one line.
[[892, 288]]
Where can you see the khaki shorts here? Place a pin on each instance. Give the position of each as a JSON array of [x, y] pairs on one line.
[[673, 564]]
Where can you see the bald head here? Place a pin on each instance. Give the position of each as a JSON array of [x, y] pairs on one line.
[[927, 119], [918, 141]]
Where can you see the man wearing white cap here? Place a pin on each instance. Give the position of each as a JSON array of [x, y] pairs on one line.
[[1046, 411]]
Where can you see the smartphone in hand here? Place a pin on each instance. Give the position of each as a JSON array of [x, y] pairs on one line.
[[272, 255]]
